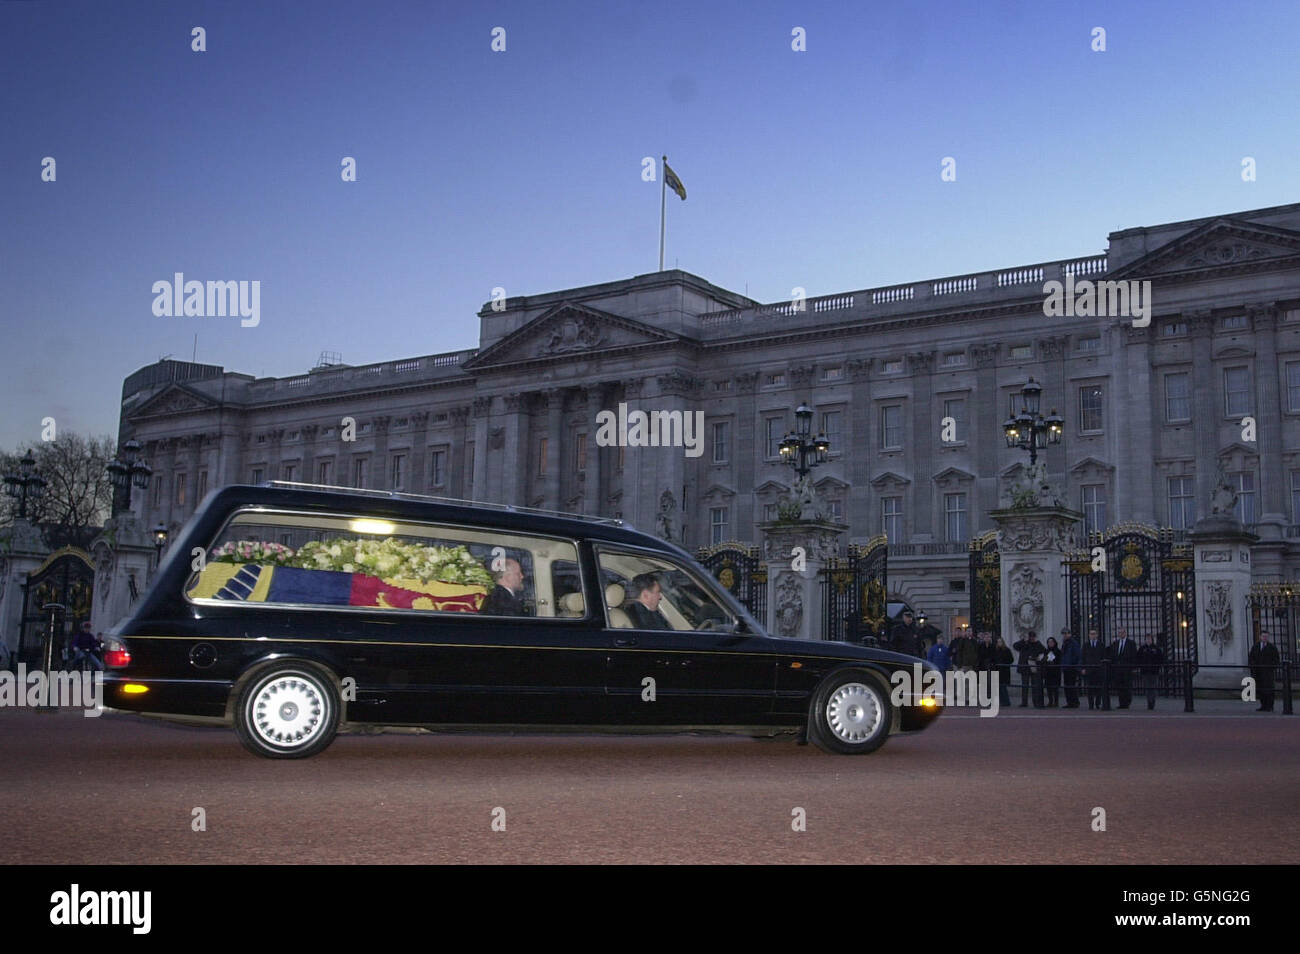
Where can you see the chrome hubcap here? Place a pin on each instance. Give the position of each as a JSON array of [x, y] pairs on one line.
[[853, 713], [288, 711]]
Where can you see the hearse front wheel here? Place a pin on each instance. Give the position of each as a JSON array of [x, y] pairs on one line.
[[850, 714], [288, 711]]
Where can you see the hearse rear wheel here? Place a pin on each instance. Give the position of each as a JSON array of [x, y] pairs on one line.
[[850, 714], [289, 711]]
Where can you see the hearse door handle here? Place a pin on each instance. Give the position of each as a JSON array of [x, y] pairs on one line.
[[624, 642]]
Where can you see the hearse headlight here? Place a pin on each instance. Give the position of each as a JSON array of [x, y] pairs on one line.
[[116, 653]]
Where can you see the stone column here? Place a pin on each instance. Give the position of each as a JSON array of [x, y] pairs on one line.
[[417, 480], [745, 455], [794, 598], [985, 418], [1268, 423], [1223, 634], [593, 400], [478, 489], [379, 456], [514, 455], [921, 443], [1134, 427], [1205, 410], [460, 437], [554, 451], [308, 462], [1033, 542], [638, 501], [859, 511]]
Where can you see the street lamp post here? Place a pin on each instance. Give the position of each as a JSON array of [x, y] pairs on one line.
[[159, 541], [1029, 429], [126, 472], [799, 448], [24, 484]]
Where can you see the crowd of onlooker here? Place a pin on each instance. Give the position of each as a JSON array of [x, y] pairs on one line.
[[1068, 668]]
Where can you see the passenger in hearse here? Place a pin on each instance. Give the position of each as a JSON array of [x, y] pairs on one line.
[[644, 594], [506, 598]]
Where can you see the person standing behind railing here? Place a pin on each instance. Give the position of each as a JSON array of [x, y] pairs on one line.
[[1070, 657], [1124, 656], [1094, 655], [1150, 657], [1052, 673], [1002, 659], [1264, 661]]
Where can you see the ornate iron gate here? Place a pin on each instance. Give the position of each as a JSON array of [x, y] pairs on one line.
[[855, 591], [739, 568], [1275, 610], [1142, 580], [67, 577], [986, 584]]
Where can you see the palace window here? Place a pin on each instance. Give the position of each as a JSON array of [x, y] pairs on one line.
[[397, 472], [1182, 502], [180, 490], [1178, 397], [717, 524], [1245, 484], [955, 408], [891, 518], [833, 428], [891, 427], [324, 471], [1293, 386], [360, 470], [774, 432], [721, 442], [1090, 409], [1092, 497], [954, 512], [1236, 392], [438, 467]]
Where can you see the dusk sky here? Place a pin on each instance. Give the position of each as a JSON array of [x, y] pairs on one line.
[[522, 169]]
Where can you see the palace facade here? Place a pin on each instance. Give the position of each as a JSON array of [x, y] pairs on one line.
[[1153, 413]]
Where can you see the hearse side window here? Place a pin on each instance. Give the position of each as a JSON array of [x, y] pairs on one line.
[[644, 591], [305, 559]]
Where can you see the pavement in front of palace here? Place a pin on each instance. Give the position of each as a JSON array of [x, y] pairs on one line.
[[1214, 786]]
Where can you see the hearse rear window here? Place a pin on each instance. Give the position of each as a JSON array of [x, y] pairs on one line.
[[304, 559]]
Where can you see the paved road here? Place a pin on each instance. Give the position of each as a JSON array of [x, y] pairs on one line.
[[1021, 787]]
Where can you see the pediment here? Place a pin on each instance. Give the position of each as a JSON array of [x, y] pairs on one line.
[[829, 483], [953, 475], [1092, 465], [565, 330], [889, 477], [173, 399], [718, 491], [771, 487], [1223, 243], [1237, 451]]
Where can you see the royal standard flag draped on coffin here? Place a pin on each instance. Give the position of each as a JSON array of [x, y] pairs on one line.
[[251, 583]]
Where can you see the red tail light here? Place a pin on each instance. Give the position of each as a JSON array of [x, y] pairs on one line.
[[116, 655]]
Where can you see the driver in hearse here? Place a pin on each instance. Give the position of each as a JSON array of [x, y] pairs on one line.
[[506, 598], [644, 594]]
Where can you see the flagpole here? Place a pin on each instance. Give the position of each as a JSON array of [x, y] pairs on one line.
[[663, 192]]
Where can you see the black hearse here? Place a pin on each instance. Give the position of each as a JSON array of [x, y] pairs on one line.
[[290, 612]]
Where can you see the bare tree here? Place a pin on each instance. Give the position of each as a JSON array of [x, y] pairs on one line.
[[78, 495]]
